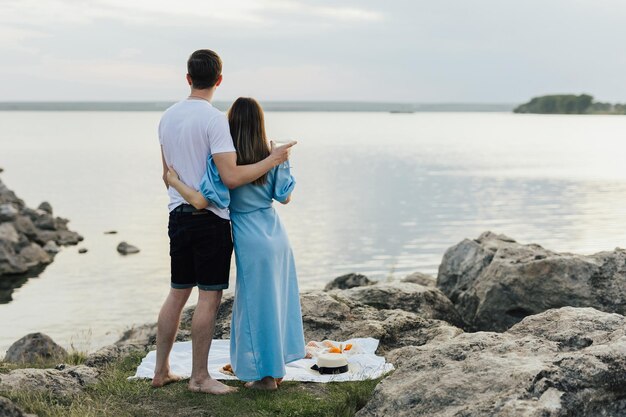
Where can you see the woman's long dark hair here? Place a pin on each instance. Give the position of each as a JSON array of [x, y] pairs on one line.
[[247, 127]]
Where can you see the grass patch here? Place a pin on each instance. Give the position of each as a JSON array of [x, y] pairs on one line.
[[114, 395]]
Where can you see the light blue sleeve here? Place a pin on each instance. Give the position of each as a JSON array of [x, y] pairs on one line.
[[212, 187], [284, 182]]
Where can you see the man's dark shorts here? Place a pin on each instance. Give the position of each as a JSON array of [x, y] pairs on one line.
[[201, 247]]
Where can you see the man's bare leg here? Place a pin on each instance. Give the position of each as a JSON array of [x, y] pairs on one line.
[[167, 327], [202, 327]]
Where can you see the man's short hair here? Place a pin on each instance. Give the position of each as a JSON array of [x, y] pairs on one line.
[[204, 67]]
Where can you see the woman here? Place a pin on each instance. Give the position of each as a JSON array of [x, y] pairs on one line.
[[266, 327]]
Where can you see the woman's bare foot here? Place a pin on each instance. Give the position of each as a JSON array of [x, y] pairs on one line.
[[211, 386], [160, 380], [266, 384], [279, 381]]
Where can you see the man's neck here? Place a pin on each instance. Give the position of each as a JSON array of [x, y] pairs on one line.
[[206, 94]]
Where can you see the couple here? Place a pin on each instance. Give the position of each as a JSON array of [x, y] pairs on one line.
[[204, 154]]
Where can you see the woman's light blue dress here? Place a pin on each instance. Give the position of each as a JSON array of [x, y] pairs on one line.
[[266, 327]]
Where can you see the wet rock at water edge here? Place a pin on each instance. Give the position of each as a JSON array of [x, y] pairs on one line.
[[8, 212], [348, 281], [127, 249], [46, 222], [34, 255], [51, 247], [35, 348], [45, 206], [82, 250], [10, 262], [421, 279]]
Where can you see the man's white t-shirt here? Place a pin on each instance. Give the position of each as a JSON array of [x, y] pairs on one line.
[[189, 131]]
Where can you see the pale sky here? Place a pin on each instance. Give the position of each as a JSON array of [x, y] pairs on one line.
[[481, 51]]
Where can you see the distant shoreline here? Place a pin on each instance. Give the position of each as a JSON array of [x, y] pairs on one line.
[[282, 106]]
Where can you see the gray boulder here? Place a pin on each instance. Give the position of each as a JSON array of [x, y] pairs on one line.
[[111, 353], [46, 207], [65, 381], [68, 237], [127, 249], [563, 362], [46, 222], [35, 348], [34, 255], [8, 212], [51, 247], [10, 262], [426, 302], [338, 317], [8, 233], [421, 278], [348, 281], [25, 226], [495, 282]]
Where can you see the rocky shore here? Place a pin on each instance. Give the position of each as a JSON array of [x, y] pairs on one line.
[[505, 329], [29, 240]]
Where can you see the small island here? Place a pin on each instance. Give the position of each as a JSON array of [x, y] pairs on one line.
[[569, 104]]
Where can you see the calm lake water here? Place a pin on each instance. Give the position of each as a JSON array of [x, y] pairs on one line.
[[378, 193]]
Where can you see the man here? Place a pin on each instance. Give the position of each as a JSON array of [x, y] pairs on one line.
[[200, 240]]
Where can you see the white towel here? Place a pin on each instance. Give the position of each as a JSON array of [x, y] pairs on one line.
[[361, 366]]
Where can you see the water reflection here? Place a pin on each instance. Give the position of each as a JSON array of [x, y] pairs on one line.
[[376, 194]]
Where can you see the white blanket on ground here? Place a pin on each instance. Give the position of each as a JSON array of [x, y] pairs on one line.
[[363, 365]]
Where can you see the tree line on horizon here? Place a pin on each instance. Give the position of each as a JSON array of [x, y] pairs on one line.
[[569, 104]]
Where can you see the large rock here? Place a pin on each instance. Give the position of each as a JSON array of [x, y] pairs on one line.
[[8, 212], [8, 233], [495, 282], [336, 316], [348, 281], [46, 207], [127, 249], [34, 255], [111, 353], [563, 362], [421, 278], [35, 348], [10, 262], [65, 381], [426, 302]]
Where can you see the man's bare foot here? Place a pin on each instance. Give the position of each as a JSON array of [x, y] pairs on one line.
[[266, 384], [211, 386], [160, 380]]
